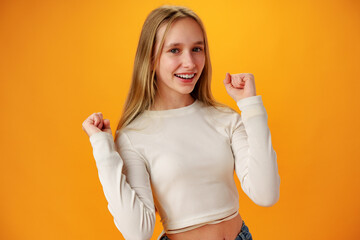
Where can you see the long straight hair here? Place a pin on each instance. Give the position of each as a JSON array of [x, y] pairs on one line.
[[143, 86]]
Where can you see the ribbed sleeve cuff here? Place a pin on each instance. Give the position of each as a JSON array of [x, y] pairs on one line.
[[103, 145], [251, 107]]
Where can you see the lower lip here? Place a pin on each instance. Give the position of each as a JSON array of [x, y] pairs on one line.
[[189, 80]]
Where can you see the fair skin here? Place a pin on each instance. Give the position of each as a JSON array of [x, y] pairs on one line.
[[183, 54], [187, 57]]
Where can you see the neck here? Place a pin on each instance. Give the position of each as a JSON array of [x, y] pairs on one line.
[[172, 102]]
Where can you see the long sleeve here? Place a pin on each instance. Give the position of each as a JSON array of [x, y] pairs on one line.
[[126, 184], [255, 159]]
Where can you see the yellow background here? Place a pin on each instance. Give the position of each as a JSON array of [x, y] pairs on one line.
[[60, 61]]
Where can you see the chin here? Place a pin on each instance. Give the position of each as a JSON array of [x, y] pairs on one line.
[[186, 90]]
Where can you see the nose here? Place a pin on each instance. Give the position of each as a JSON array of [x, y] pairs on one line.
[[188, 60]]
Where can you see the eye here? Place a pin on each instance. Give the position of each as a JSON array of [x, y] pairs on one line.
[[197, 49], [174, 50]]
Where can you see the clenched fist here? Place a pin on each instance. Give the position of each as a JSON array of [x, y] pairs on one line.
[[240, 85], [95, 123]]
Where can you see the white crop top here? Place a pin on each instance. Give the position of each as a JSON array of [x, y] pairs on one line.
[[182, 162]]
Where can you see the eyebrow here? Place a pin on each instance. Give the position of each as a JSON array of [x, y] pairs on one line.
[[177, 44]]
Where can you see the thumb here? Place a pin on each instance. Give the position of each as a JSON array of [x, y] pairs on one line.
[[227, 79], [106, 127], [227, 82]]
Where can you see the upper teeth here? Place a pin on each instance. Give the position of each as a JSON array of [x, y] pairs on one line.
[[185, 75]]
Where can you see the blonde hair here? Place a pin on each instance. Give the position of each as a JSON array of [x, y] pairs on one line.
[[143, 86]]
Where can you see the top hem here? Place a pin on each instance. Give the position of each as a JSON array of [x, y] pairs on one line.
[[192, 224]]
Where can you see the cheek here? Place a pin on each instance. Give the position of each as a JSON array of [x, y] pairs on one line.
[[169, 64], [200, 60]]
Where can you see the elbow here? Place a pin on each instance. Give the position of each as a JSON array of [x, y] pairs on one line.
[[267, 201], [269, 197], [140, 236], [137, 234], [141, 231]]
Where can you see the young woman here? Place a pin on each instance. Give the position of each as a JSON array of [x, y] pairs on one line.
[[175, 148]]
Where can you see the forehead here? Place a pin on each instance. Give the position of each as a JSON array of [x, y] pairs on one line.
[[183, 30]]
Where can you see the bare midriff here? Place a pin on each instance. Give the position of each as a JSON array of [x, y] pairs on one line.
[[226, 230]]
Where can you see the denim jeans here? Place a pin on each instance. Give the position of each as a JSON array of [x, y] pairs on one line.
[[243, 235]]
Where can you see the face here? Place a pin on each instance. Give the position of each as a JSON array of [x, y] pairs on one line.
[[182, 58]]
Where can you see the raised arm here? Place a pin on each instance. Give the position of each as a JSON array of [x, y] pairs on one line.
[[126, 184], [255, 159]]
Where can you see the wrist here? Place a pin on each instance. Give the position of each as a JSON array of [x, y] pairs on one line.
[[237, 99], [243, 103]]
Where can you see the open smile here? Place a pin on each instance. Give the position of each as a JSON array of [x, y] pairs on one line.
[[185, 77]]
